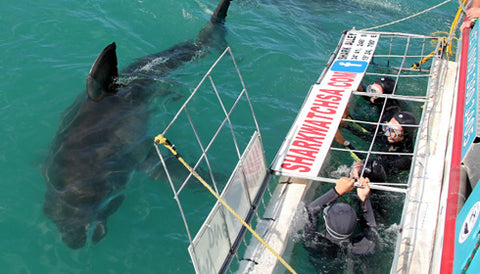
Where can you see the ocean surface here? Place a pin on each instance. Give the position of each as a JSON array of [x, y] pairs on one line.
[[46, 51]]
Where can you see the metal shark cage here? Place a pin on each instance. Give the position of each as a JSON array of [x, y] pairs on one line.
[[424, 85], [232, 145]]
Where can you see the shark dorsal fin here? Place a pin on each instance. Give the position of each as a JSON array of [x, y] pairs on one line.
[[103, 74]]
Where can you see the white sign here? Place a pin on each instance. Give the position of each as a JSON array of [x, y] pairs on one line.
[[309, 139], [213, 242]]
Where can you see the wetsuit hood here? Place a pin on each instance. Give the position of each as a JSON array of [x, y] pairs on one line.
[[407, 118], [387, 84], [340, 221]]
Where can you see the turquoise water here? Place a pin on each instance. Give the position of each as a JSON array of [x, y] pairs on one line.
[[47, 48]]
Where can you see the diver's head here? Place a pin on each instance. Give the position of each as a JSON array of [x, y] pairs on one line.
[[383, 85], [387, 84], [400, 127], [406, 118], [340, 221]]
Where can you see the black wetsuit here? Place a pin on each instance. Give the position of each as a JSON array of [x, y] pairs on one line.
[[392, 107], [380, 166], [313, 239], [394, 163]]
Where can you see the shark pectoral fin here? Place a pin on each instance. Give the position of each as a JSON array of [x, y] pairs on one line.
[[99, 231], [152, 166], [111, 207], [171, 90], [103, 74]]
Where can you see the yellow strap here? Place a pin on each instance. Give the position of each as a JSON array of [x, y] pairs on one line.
[[423, 61], [359, 127], [355, 156], [355, 124], [160, 139]]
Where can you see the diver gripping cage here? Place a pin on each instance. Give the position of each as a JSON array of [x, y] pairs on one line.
[[309, 153]]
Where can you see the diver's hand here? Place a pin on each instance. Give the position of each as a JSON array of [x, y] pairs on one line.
[[344, 185], [364, 188]]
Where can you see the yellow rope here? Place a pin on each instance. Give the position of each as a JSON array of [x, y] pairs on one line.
[[408, 17], [453, 27], [447, 40], [160, 139], [423, 61]]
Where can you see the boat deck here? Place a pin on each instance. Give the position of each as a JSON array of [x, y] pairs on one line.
[[419, 245]]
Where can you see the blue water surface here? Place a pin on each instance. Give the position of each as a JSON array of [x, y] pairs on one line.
[[46, 51]]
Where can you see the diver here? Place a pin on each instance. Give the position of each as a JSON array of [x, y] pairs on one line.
[[398, 135], [341, 220], [383, 85]]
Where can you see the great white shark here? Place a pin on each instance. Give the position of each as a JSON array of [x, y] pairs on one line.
[[101, 139]]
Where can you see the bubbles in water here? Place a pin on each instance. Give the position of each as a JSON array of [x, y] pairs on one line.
[[341, 171], [388, 235]]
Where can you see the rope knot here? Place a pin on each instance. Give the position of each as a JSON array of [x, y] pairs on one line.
[[160, 140]]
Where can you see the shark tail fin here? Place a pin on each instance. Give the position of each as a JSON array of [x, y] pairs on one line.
[[213, 34], [218, 17], [103, 74]]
